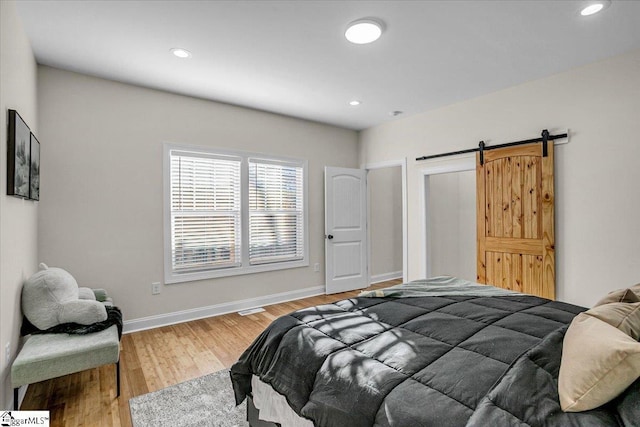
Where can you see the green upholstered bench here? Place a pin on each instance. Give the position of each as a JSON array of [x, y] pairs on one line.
[[46, 356]]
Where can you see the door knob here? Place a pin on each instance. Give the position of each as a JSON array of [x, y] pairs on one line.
[[330, 237]]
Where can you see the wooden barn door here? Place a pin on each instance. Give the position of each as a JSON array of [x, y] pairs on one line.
[[515, 211]]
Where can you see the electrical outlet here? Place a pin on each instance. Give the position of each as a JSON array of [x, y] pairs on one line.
[[7, 353], [155, 288], [316, 267]]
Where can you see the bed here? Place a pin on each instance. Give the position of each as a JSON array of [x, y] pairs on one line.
[[442, 352]]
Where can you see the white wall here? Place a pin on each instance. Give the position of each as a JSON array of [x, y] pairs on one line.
[[18, 218], [597, 173], [452, 224], [385, 222], [101, 212]]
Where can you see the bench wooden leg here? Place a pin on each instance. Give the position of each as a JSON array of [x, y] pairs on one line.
[[15, 399], [118, 378]]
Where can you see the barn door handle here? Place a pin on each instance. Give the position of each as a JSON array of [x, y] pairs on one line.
[[330, 237]]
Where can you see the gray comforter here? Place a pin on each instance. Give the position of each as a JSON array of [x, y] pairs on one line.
[[421, 361], [527, 395]]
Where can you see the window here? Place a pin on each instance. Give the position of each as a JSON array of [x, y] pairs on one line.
[[232, 213], [205, 212], [275, 212]]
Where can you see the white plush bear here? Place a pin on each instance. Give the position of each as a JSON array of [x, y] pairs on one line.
[[51, 297]]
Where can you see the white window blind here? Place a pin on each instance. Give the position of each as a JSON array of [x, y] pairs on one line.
[[205, 211], [276, 212]]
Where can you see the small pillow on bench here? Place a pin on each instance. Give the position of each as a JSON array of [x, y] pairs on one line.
[[51, 297]]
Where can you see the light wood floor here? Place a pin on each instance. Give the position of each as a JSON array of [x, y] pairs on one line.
[[155, 359]]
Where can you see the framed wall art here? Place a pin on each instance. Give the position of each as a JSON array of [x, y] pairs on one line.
[[18, 156], [34, 171]]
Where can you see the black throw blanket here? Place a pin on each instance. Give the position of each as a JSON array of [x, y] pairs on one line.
[[114, 317]]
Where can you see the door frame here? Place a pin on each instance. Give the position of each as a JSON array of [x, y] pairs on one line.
[[462, 163], [405, 240]]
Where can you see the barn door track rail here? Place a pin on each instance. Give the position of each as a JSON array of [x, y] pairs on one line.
[[544, 138]]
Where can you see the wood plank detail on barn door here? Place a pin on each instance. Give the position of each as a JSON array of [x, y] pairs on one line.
[[515, 219]]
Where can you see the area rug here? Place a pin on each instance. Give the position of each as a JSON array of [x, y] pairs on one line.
[[203, 401]]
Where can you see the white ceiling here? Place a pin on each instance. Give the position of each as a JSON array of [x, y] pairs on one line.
[[290, 57]]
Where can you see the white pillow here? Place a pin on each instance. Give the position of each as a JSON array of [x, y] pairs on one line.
[[599, 362]]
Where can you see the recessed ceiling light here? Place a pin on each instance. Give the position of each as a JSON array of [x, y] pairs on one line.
[[364, 31], [354, 103], [181, 53], [594, 7]]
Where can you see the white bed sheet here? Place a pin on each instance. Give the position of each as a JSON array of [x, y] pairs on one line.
[[274, 407]]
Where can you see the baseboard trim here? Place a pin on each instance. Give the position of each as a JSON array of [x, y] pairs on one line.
[[384, 277], [167, 319]]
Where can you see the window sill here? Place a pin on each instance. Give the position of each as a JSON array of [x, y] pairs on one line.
[[171, 278]]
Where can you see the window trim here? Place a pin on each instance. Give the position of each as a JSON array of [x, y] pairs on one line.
[[170, 277]]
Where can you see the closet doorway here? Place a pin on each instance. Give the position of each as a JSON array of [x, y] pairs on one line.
[[387, 221], [448, 192]]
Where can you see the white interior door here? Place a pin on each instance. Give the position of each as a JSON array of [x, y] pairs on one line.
[[345, 229]]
